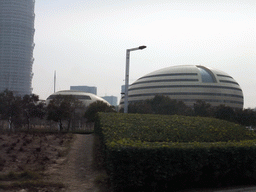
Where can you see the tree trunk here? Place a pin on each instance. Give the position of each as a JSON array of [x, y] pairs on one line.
[[60, 126], [69, 122], [28, 120]]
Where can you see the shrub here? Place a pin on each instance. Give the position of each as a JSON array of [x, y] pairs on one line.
[[95, 107], [154, 152], [164, 128]]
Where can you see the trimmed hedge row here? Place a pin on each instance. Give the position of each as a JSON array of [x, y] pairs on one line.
[[167, 169], [159, 128], [136, 159]]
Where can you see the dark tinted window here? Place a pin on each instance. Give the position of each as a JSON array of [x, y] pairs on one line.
[[164, 80], [224, 76], [225, 81], [82, 97], [185, 86], [169, 74]]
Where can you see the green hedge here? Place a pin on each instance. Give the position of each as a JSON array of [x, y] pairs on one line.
[[174, 128], [157, 152]]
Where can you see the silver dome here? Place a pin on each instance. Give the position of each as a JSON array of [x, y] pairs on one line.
[[188, 83]]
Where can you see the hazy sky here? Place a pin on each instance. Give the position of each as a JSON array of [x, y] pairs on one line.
[[85, 41]]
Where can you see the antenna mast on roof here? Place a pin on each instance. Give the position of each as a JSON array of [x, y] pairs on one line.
[[54, 81]]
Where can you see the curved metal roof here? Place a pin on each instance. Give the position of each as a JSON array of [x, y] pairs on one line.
[[188, 83], [86, 98]]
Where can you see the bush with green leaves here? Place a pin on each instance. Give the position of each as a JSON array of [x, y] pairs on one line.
[[175, 128], [161, 152]]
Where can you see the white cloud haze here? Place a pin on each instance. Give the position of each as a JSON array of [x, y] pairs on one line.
[[85, 41]]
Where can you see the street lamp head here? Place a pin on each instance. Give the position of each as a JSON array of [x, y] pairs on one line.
[[142, 47]]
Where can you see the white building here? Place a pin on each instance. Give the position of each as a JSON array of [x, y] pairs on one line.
[[16, 45], [84, 97], [188, 83]]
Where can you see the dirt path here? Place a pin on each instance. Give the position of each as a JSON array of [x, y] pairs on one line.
[[76, 171]]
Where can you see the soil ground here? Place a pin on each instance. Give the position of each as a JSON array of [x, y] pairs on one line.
[[76, 171], [58, 158]]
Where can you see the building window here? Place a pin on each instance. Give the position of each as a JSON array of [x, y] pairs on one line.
[[206, 74], [166, 80]]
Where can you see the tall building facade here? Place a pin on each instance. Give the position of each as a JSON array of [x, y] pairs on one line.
[[16, 45], [111, 99]]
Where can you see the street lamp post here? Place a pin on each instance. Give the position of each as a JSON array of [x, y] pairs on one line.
[[127, 75]]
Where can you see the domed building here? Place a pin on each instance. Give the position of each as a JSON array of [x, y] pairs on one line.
[[84, 97], [188, 83]]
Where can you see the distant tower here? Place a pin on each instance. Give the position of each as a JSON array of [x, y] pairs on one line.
[[111, 99], [16, 45]]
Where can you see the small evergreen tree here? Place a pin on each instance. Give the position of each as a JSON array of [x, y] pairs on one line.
[[95, 107], [160, 104], [225, 113], [32, 108], [246, 117], [142, 107], [10, 108], [203, 109], [62, 107]]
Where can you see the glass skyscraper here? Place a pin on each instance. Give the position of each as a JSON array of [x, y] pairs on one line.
[[16, 45]]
